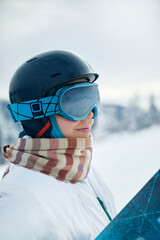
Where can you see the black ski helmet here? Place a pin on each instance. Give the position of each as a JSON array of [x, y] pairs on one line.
[[47, 71], [41, 76]]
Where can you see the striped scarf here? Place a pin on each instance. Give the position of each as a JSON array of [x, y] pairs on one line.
[[66, 159]]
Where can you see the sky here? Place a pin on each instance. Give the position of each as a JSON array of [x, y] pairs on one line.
[[119, 38]]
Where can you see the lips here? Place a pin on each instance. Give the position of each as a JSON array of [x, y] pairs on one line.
[[84, 129]]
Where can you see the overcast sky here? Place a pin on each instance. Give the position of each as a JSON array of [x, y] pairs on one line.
[[119, 38]]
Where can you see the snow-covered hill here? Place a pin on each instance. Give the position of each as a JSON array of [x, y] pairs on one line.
[[127, 161], [116, 118]]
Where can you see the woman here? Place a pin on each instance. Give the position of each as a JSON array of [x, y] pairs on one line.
[[50, 190]]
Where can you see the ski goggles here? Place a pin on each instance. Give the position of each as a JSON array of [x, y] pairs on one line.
[[73, 102]]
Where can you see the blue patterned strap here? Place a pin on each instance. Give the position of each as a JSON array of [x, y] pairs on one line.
[[34, 109]]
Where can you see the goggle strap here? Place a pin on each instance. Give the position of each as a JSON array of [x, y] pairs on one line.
[[33, 109], [11, 113]]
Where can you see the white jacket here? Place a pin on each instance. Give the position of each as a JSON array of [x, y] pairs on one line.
[[36, 206]]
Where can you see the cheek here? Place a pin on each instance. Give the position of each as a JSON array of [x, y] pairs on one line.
[[92, 121], [66, 125]]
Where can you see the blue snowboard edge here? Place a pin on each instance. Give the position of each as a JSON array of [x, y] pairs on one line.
[[140, 219]]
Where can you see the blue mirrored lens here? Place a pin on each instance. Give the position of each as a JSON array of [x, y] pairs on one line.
[[78, 101]]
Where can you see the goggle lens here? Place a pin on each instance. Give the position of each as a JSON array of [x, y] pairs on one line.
[[79, 101]]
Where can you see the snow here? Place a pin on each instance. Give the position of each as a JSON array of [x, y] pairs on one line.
[[126, 162]]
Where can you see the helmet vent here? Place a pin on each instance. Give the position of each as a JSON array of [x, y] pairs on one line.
[[32, 59], [55, 75]]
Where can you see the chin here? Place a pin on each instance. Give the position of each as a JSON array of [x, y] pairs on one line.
[[82, 135]]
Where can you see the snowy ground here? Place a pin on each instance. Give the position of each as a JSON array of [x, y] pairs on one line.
[[126, 162]]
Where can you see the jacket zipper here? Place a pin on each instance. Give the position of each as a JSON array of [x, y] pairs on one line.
[[105, 210]]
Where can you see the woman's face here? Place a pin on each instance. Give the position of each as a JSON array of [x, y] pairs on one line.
[[78, 129]]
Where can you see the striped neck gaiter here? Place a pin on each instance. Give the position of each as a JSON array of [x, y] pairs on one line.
[[66, 159]]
